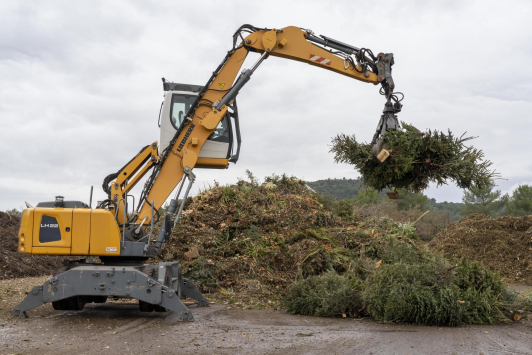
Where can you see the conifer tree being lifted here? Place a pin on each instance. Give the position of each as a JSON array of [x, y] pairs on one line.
[[412, 159]]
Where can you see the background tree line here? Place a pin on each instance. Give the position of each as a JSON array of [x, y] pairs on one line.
[[489, 201], [429, 216]]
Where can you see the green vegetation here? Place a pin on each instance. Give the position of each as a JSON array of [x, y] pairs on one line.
[[436, 293], [416, 159], [401, 281], [353, 189], [408, 200], [488, 200], [451, 208], [368, 196], [326, 295], [484, 200], [339, 189], [493, 203], [520, 203]]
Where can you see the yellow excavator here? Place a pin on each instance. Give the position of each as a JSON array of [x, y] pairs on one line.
[[199, 128]]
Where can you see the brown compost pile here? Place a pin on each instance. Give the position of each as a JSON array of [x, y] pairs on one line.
[[14, 264], [257, 239], [280, 245], [502, 243]]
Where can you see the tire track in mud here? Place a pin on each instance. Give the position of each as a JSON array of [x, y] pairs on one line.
[[128, 330], [122, 329], [86, 327]]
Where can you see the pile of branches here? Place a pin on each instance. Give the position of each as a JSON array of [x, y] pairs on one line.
[[431, 292], [492, 241], [438, 293], [416, 159]]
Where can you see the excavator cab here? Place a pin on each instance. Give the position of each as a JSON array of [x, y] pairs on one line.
[[222, 147]]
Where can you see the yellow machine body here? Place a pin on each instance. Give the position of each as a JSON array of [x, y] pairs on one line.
[[69, 231]]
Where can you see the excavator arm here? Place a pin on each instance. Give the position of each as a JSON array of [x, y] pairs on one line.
[[175, 163]]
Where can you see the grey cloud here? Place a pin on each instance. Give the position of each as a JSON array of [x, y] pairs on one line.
[[80, 89], [38, 31]]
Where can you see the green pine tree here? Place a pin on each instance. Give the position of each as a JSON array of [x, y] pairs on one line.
[[367, 196], [484, 200], [408, 200], [520, 203]]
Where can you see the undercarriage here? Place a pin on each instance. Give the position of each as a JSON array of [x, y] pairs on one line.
[[157, 287]]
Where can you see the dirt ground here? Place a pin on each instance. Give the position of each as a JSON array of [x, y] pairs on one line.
[[116, 328], [15, 264]]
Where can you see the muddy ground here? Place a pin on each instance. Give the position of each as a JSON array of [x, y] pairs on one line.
[[115, 328]]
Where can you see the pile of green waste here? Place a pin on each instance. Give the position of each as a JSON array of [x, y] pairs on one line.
[[416, 159], [278, 244], [431, 291]]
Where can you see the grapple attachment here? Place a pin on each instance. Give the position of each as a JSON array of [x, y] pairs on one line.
[[387, 122]]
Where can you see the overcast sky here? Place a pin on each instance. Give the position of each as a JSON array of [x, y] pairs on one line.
[[80, 86]]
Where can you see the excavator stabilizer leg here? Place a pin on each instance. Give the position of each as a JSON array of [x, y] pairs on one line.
[[191, 291], [33, 299], [72, 288]]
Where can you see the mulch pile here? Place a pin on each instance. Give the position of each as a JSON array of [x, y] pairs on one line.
[[255, 240], [501, 243], [249, 238], [14, 264], [279, 245]]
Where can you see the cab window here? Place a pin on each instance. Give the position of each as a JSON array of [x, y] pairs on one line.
[[180, 105], [221, 133]]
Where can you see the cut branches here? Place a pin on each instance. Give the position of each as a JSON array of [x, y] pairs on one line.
[[416, 159]]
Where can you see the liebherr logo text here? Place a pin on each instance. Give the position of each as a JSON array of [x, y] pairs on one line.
[[187, 134], [51, 225]]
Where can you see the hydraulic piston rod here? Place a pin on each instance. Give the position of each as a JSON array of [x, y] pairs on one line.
[[242, 80], [333, 43]]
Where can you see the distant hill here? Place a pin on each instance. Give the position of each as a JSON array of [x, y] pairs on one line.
[[337, 188], [348, 188]]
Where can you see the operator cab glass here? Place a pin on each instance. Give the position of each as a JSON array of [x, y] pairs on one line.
[[179, 108], [181, 103], [222, 131]]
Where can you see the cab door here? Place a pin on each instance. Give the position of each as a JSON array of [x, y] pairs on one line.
[[173, 111], [52, 229]]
